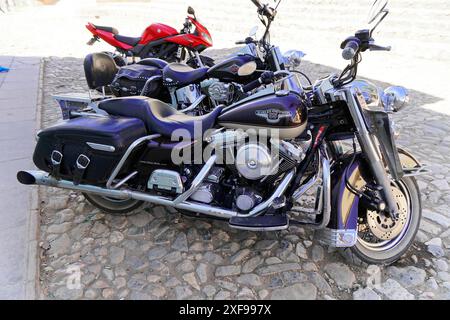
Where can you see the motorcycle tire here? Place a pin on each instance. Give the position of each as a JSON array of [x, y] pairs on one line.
[[114, 206], [389, 251]]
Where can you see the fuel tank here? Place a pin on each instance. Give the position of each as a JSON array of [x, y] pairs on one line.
[[285, 112], [157, 31], [230, 69]]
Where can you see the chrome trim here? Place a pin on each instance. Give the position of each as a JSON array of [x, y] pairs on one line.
[[199, 59], [370, 150], [101, 147], [194, 104], [261, 229], [278, 192], [338, 238], [125, 157], [326, 193], [197, 181], [128, 177], [43, 178], [147, 83], [414, 172], [323, 202]]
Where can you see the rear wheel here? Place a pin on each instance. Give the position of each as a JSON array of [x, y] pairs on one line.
[[382, 240], [112, 205]]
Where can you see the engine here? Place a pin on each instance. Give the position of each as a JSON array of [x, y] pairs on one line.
[[221, 92], [243, 183]]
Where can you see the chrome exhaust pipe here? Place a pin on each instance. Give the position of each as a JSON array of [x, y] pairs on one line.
[[32, 177]]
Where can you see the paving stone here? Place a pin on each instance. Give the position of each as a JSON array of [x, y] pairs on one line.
[[182, 292], [181, 243], [225, 271], [251, 264], [278, 268], [365, 294], [222, 295], [409, 276], [392, 290], [239, 256], [116, 255], [141, 219], [299, 291], [249, 279], [157, 253], [341, 274]]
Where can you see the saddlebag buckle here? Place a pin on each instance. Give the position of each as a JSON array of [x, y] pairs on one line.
[[81, 164], [56, 159]]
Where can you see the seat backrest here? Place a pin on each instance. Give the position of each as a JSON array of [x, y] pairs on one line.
[[153, 62], [132, 107], [99, 69]]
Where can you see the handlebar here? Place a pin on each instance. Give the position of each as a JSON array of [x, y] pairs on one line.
[[258, 4], [266, 78], [350, 49], [264, 9], [247, 40]]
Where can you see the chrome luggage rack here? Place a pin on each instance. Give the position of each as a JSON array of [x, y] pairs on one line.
[[78, 104]]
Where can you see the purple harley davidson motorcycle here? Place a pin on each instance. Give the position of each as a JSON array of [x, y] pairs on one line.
[[253, 162]]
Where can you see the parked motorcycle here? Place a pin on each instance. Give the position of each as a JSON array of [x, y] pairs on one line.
[[198, 91], [159, 41], [252, 163]]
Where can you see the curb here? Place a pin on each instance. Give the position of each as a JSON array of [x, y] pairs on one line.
[[32, 286]]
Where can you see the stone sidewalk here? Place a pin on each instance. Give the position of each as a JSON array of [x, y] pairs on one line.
[[19, 94]]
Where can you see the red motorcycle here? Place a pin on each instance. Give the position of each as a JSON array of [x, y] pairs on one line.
[[161, 41]]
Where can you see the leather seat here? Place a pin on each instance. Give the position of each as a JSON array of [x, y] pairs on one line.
[[132, 41], [160, 117], [180, 75], [107, 29]]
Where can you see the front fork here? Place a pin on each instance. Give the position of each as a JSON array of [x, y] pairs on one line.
[[372, 152]]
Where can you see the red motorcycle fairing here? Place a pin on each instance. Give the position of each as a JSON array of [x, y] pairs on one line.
[[199, 40], [157, 31]]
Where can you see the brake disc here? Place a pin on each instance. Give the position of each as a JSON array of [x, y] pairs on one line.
[[383, 226]]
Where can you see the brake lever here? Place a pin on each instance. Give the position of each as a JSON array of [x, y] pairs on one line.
[[375, 47]]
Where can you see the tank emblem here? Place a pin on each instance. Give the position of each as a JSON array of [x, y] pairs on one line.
[[273, 115]]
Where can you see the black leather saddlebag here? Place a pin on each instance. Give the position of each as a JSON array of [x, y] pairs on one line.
[[131, 79], [86, 149]]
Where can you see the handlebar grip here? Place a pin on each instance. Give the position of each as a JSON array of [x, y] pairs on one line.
[[252, 85], [266, 78], [350, 50]]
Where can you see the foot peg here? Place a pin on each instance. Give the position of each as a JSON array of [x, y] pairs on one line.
[[260, 223]]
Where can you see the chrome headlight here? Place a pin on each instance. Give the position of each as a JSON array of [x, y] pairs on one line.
[[395, 98], [293, 58], [247, 69], [370, 93]]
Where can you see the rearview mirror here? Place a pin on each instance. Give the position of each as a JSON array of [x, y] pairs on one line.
[[377, 8], [191, 11], [253, 31]]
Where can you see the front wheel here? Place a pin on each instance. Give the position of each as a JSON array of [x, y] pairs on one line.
[[113, 206], [382, 240]]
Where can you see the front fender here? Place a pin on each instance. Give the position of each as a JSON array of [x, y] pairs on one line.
[[342, 229]]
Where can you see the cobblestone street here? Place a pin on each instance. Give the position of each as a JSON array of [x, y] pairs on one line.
[[159, 254]]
